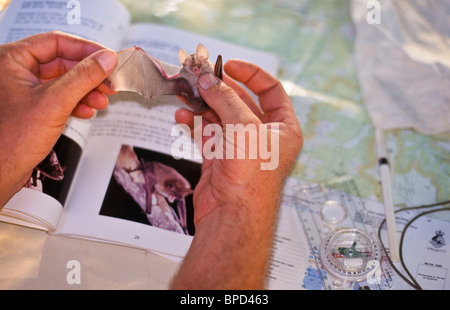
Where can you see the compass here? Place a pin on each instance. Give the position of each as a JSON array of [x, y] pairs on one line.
[[349, 254]]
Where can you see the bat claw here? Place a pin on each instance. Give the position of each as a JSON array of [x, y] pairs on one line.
[[218, 67]]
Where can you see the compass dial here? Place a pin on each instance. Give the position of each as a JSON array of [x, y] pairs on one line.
[[349, 254]]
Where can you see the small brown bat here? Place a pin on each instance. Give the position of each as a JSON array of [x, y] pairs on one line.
[[168, 186], [48, 168], [139, 72]]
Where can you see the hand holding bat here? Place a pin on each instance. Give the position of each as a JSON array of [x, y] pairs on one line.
[[235, 201], [45, 79]]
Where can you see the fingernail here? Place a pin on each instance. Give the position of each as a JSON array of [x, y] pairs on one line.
[[207, 80], [108, 60]]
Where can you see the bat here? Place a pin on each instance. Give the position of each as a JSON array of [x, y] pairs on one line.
[[47, 168], [169, 187], [139, 72], [158, 189]]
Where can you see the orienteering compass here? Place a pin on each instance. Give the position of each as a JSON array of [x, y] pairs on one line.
[[350, 255]]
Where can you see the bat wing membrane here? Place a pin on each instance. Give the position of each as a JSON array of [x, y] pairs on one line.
[[139, 72]]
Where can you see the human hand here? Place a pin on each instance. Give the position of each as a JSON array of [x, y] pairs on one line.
[[229, 180], [45, 79], [235, 201]]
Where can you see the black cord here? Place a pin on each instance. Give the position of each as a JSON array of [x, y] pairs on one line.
[[412, 281]]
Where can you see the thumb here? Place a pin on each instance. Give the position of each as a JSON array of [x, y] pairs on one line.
[[89, 73], [225, 101]]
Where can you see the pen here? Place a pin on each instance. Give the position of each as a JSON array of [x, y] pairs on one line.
[[385, 177]]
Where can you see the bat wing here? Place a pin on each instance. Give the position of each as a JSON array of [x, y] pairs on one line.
[[139, 72]]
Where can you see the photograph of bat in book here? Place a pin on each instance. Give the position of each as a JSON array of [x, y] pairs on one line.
[[152, 188], [139, 72], [53, 176]]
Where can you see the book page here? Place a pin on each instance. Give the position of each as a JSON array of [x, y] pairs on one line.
[[24, 18], [88, 19], [111, 201], [163, 43], [425, 251], [131, 144]]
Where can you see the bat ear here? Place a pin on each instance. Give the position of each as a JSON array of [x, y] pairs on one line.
[[201, 53], [183, 57]]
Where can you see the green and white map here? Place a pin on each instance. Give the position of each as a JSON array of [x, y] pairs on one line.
[[314, 41]]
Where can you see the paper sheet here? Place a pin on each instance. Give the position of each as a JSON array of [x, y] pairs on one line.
[[426, 250]]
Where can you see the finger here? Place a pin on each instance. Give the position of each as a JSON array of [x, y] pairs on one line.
[[211, 116], [269, 89], [96, 100], [72, 86], [45, 47], [60, 66], [208, 115], [183, 116], [224, 101], [83, 111], [55, 68], [243, 94]]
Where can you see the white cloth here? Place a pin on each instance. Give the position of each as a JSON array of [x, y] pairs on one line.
[[404, 63]]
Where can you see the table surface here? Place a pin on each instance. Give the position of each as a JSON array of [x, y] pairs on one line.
[[314, 41]]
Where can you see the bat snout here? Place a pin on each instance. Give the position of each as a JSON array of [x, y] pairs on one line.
[[196, 70]]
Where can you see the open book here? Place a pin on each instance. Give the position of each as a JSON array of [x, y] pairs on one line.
[[87, 190]]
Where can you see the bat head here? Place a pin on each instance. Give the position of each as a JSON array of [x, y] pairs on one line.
[[170, 183], [196, 63], [174, 188], [51, 168]]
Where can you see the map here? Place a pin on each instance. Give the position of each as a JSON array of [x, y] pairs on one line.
[[314, 41], [325, 213], [330, 239]]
